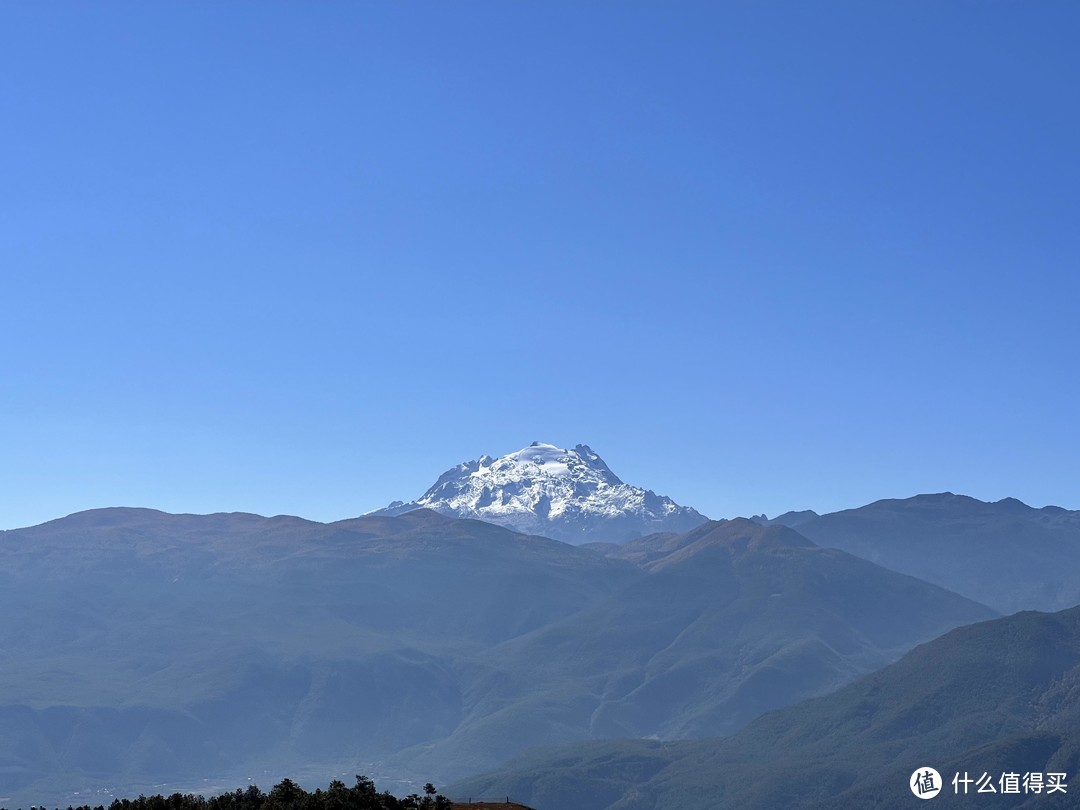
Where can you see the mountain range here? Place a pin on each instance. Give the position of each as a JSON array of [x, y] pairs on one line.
[[994, 698], [569, 495], [1004, 554], [729, 620], [142, 648]]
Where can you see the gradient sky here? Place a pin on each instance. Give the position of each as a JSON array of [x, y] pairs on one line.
[[289, 257]]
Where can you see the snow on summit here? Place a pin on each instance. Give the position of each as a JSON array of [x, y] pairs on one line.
[[569, 495]]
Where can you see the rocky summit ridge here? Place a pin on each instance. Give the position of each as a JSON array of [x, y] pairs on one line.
[[566, 494]]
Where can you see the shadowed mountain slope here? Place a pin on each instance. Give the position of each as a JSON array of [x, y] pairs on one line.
[[733, 620], [995, 697]]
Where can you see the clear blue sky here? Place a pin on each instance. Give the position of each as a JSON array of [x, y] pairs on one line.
[[291, 257]]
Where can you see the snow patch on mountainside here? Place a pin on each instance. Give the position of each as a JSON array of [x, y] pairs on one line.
[[570, 495]]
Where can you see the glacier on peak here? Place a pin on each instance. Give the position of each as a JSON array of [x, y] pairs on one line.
[[566, 494]]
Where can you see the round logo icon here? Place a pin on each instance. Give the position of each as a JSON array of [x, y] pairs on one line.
[[925, 783]]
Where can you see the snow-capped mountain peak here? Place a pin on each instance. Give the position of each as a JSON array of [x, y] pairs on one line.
[[569, 495]]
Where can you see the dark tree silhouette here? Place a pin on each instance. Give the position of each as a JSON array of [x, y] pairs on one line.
[[286, 795]]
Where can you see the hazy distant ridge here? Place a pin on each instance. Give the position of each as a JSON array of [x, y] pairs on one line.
[[1005, 554]]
